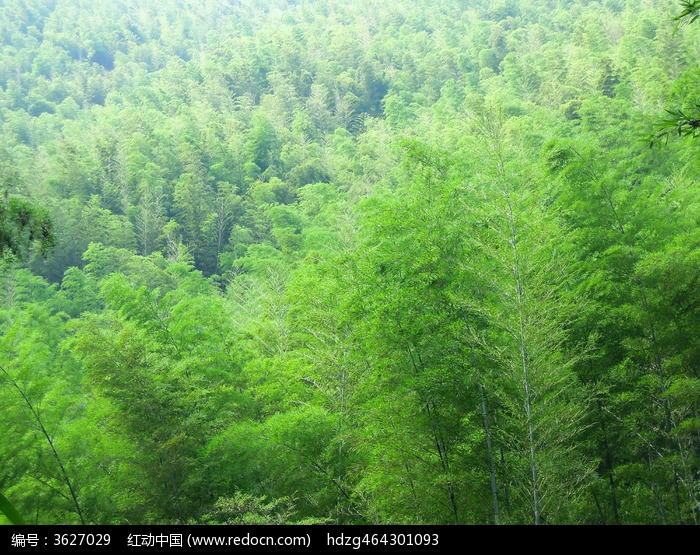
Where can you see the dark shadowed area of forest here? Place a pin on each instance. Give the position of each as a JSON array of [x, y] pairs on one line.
[[350, 262]]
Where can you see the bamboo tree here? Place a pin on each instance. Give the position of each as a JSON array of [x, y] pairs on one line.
[[525, 268], [487, 427]]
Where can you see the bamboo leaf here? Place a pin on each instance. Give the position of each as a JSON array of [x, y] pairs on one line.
[[9, 511]]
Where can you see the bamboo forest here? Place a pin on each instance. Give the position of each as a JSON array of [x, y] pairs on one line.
[[350, 262]]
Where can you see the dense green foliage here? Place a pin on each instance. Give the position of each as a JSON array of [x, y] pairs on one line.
[[23, 226], [349, 262]]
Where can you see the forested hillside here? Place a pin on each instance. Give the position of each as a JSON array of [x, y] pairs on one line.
[[349, 261]]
